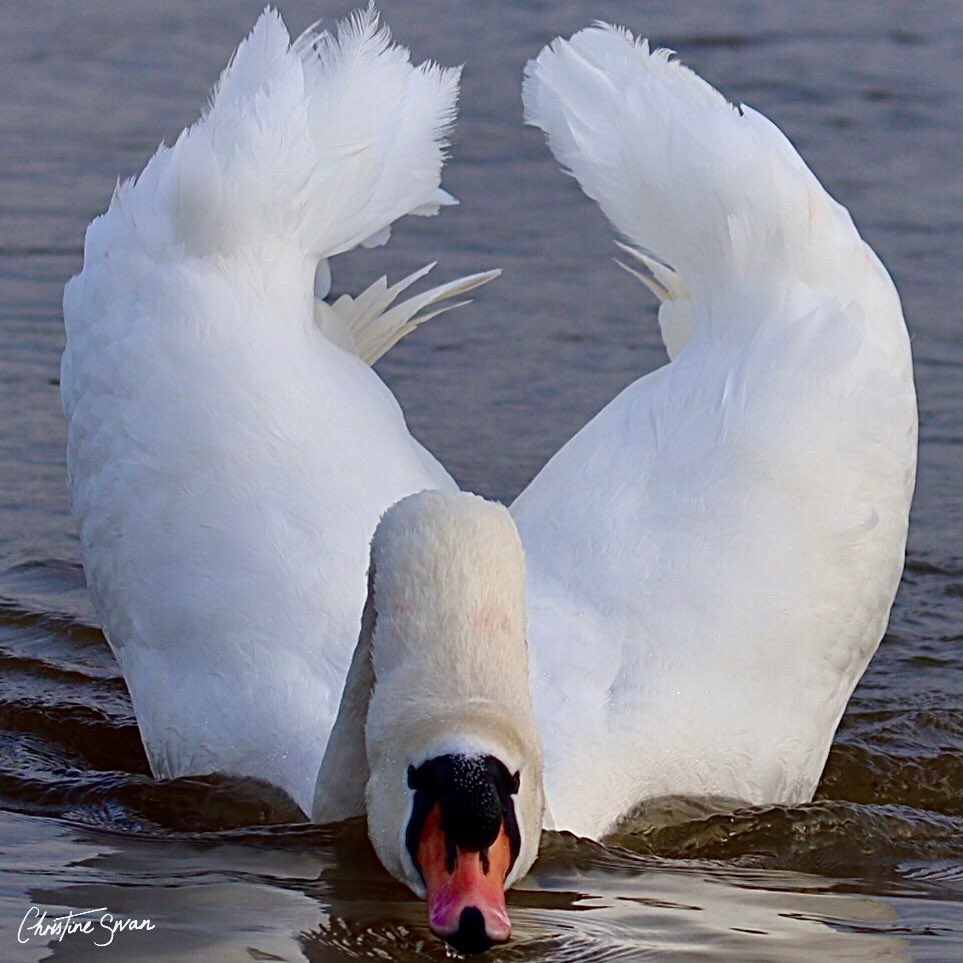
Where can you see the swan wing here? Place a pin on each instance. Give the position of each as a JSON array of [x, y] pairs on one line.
[[712, 559], [230, 450]]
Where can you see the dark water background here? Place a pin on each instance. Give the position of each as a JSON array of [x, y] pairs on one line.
[[870, 92]]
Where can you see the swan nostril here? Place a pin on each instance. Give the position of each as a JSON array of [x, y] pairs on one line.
[[471, 935]]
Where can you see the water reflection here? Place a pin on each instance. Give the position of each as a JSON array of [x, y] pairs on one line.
[[296, 893]]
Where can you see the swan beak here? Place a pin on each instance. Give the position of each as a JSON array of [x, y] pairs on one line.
[[466, 894]]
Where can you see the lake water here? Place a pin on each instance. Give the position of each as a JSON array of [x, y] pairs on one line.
[[870, 92]]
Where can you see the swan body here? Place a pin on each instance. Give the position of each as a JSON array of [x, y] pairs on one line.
[[713, 558]]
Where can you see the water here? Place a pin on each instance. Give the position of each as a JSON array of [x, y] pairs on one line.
[[872, 870]]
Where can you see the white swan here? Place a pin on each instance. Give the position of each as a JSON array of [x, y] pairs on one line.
[[711, 560]]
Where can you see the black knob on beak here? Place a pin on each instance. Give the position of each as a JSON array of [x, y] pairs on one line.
[[471, 935]]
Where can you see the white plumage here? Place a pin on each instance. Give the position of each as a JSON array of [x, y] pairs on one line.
[[227, 461], [711, 560]]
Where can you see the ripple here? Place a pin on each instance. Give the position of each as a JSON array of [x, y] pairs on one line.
[[864, 774], [828, 837]]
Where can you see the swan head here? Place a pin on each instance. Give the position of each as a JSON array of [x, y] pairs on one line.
[[454, 794]]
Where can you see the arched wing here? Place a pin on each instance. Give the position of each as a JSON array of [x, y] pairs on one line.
[[713, 557], [228, 459]]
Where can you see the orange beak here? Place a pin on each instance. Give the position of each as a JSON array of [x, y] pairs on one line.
[[466, 899]]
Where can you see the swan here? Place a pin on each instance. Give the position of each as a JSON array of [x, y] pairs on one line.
[[682, 600]]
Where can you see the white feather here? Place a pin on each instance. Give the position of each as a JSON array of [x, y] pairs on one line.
[[228, 463], [712, 559], [715, 192], [369, 326]]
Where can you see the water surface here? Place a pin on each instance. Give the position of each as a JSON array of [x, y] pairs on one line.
[[871, 870]]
